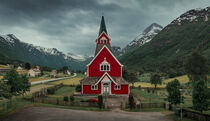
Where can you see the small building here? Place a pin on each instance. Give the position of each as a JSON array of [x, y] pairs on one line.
[[34, 72], [104, 72], [53, 74], [19, 68]]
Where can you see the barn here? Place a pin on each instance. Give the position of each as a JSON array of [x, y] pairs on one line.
[[104, 72]]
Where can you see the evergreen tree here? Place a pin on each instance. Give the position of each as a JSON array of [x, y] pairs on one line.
[[200, 96], [131, 101], [174, 93], [130, 77], [27, 66], [24, 84], [196, 67], [100, 101]]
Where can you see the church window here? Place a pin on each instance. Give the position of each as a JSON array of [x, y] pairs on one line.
[[117, 87], [94, 87], [104, 66]]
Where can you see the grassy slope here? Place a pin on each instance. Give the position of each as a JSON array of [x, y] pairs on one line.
[[169, 49]]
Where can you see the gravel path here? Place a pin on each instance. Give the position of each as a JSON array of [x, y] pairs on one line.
[[57, 114]]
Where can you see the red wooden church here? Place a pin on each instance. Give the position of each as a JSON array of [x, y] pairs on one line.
[[104, 72]]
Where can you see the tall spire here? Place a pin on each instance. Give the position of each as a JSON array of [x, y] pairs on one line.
[[102, 26]]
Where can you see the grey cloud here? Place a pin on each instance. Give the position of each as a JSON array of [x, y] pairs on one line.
[[72, 25]]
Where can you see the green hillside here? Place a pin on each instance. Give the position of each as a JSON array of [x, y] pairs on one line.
[[167, 51]]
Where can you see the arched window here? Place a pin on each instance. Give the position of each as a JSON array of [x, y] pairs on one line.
[[104, 66], [103, 40], [117, 87]]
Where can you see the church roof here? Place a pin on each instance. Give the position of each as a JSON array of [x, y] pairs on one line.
[[94, 80], [102, 26]]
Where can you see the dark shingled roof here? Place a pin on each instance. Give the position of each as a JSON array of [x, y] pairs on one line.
[[94, 80], [102, 26]]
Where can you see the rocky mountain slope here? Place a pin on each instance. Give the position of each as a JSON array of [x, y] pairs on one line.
[[144, 37], [12, 48], [168, 50]]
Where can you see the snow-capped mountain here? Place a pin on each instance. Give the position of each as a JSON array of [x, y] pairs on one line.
[[16, 49], [144, 37], [76, 57], [191, 16], [116, 50], [170, 48]]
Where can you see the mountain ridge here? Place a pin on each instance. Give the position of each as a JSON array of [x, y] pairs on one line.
[[18, 50], [168, 50]]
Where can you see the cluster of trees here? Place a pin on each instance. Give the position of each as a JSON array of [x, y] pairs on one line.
[[130, 76], [14, 84], [197, 70]]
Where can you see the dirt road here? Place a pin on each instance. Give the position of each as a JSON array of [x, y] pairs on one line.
[[57, 114]]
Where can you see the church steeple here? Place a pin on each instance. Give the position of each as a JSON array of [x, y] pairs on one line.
[[102, 26], [103, 38]]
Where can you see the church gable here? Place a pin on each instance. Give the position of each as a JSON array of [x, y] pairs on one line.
[[106, 78], [94, 69], [103, 39]]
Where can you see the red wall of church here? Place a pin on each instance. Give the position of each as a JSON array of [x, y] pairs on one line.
[[124, 89], [94, 68], [103, 35], [86, 89]]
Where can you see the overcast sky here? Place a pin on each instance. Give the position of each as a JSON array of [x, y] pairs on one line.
[[73, 25]]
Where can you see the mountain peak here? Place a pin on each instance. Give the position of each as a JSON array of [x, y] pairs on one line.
[[192, 16], [154, 27], [147, 35]]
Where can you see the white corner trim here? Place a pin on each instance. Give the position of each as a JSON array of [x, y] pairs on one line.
[[109, 52], [104, 76], [105, 34]]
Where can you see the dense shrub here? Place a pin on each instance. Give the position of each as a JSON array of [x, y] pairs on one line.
[[131, 101], [51, 90], [78, 88], [100, 101], [72, 98], [65, 98], [174, 94], [200, 95]]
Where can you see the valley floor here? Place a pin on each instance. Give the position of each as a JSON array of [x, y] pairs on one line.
[[57, 114]]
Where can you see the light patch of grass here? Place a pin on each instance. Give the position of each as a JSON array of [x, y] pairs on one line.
[[4, 67], [148, 97], [38, 87], [71, 81], [182, 79], [145, 84], [66, 90], [1, 77], [39, 79], [23, 71]]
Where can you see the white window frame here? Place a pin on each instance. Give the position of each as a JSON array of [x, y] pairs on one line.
[[102, 69], [103, 41], [117, 87], [94, 87]]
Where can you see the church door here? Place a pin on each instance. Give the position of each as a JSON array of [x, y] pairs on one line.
[[106, 89]]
